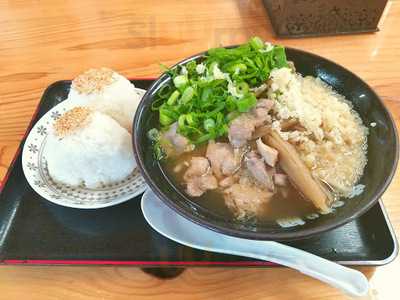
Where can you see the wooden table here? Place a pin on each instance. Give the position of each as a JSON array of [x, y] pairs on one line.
[[45, 41]]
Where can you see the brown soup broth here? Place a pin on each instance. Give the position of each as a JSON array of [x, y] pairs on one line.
[[211, 200], [280, 206]]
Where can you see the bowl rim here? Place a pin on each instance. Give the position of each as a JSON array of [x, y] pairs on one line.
[[280, 236]]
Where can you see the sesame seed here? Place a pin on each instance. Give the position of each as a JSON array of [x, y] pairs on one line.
[[93, 80], [71, 121]]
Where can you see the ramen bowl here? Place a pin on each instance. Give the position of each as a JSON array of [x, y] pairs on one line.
[[382, 156]]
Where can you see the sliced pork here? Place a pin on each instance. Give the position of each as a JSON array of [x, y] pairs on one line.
[[197, 186], [244, 199], [199, 178], [242, 128], [198, 166], [228, 181], [258, 170], [261, 112], [269, 154], [177, 141], [222, 158], [281, 179]]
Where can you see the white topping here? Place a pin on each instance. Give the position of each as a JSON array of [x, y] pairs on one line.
[[331, 210], [373, 124], [233, 90], [290, 222], [312, 216], [237, 70], [71, 121], [268, 46], [276, 125], [93, 81], [184, 71], [357, 190], [218, 74], [274, 87], [200, 68], [337, 204]]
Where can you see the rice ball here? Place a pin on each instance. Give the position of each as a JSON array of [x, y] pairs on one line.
[[90, 148], [106, 91]]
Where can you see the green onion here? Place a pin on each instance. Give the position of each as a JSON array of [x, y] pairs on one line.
[[232, 115], [154, 137], [181, 121], [209, 124], [223, 130], [172, 99], [167, 116], [258, 62], [253, 81], [190, 118], [165, 120], [220, 118], [205, 95], [279, 57], [191, 67], [219, 107], [242, 87], [180, 81], [246, 103], [249, 63], [204, 138], [187, 95], [230, 103], [164, 91], [153, 134], [212, 66], [157, 103], [193, 130], [238, 68], [158, 152], [202, 105], [256, 43]]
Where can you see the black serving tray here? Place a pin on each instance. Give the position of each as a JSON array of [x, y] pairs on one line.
[[35, 231]]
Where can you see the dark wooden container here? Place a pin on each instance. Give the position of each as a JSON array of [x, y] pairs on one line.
[[299, 18]]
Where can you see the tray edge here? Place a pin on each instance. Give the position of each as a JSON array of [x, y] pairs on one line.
[[3, 182], [386, 260]]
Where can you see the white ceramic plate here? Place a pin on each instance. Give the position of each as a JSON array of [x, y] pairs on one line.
[[35, 169]]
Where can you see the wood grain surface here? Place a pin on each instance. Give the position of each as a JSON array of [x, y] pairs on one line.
[[45, 41]]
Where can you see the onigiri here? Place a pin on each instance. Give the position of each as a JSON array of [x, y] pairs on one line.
[[106, 91], [89, 148]]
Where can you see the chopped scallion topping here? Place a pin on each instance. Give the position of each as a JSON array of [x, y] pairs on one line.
[[207, 94]]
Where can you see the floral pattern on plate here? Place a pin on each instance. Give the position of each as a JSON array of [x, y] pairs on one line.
[[34, 165]]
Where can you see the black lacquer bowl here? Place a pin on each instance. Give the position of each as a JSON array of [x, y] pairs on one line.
[[381, 166]]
